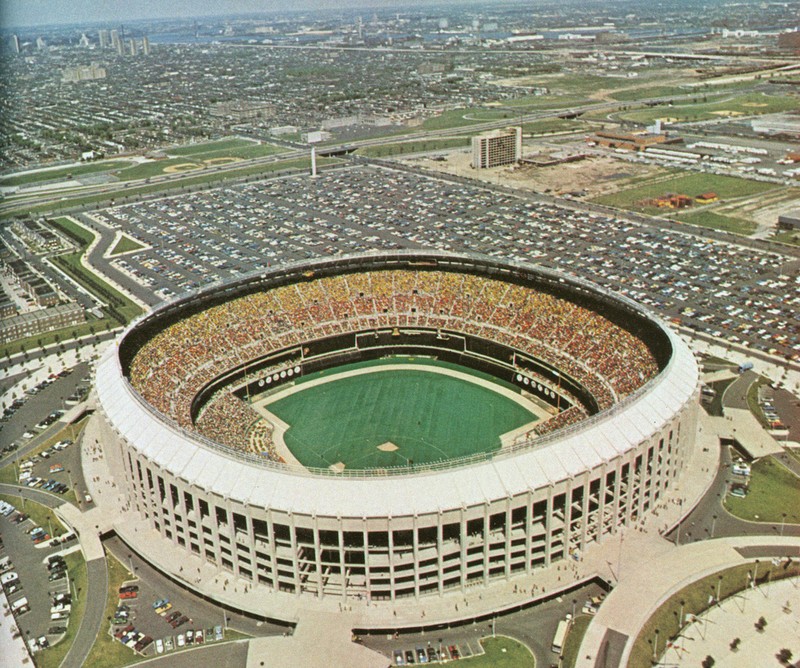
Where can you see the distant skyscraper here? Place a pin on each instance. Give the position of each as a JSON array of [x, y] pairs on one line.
[[84, 41], [103, 37], [116, 42], [145, 46], [40, 43], [15, 43], [132, 46]]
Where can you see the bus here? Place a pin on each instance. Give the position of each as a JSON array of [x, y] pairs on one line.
[[561, 634]]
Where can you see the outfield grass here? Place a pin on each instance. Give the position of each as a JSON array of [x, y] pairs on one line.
[[738, 105], [773, 490], [694, 599], [62, 172], [429, 416], [206, 178], [693, 184], [418, 146], [125, 245], [719, 222], [501, 652]]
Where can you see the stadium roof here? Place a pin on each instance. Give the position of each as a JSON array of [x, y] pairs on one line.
[[562, 455]]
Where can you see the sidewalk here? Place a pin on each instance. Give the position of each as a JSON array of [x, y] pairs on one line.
[[641, 591]]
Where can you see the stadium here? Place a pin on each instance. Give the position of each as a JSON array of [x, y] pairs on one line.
[[397, 424]]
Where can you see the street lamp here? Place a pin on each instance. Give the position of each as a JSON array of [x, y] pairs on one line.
[[783, 521], [713, 524], [719, 585], [655, 647]]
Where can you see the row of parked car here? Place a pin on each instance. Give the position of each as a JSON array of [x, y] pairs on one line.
[[427, 654]]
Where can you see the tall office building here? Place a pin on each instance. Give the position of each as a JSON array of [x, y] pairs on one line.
[[15, 43], [103, 37], [84, 41], [145, 46], [40, 43], [116, 42], [132, 46], [496, 148]]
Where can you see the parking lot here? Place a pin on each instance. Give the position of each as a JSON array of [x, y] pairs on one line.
[[720, 289], [534, 626], [152, 607], [37, 575]]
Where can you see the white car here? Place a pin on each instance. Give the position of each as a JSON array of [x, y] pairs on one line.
[[159, 646], [181, 640]]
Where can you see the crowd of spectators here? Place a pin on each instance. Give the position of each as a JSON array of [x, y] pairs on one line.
[[171, 368]]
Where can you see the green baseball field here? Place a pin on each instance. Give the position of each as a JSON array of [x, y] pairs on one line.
[[386, 417]]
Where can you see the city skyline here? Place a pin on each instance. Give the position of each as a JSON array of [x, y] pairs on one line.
[[22, 14]]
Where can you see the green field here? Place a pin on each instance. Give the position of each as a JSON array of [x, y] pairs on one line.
[[418, 146], [62, 172], [125, 245], [774, 490], [501, 652], [727, 187], [737, 105], [429, 416], [206, 147], [719, 222]]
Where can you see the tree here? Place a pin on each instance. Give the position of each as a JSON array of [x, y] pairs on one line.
[[785, 655], [735, 644], [708, 662], [760, 624]]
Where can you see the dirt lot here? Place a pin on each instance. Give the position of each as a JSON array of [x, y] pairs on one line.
[[595, 175]]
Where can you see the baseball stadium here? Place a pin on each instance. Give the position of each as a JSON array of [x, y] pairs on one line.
[[395, 424]]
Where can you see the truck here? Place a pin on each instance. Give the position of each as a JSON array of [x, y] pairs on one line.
[[20, 606], [745, 366]]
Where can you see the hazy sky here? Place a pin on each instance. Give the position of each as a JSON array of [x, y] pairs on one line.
[[44, 12]]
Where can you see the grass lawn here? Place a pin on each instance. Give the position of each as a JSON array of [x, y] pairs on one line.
[[550, 101], [106, 651], [53, 656], [574, 638], [78, 233], [718, 222], [428, 416], [715, 407], [125, 245], [791, 237], [244, 152], [206, 147], [61, 173], [453, 118], [551, 125], [40, 515], [695, 600], [502, 652], [773, 491], [418, 146], [691, 184]]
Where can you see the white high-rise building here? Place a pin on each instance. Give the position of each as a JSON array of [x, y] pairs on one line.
[[496, 148], [103, 37], [145, 46], [15, 43]]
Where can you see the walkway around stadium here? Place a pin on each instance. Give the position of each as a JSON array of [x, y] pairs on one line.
[[617, 559]]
